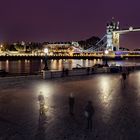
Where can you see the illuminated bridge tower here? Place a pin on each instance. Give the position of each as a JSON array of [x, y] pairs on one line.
[[112, 37]]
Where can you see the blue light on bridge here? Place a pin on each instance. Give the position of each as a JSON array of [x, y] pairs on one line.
[[120, 52]]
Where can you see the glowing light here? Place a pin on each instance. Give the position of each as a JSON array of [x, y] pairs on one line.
[[51, 53], [131, 28], [106, 51], [43, 89], [46, 50]]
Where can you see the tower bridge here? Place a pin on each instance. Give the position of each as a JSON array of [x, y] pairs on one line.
[[110, 41], [113, 33], [112, 37]]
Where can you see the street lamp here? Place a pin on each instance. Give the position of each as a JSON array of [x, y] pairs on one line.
[[46, 59], [106, 53]]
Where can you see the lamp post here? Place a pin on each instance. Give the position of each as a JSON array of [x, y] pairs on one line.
[[106, 53], [46, 59]]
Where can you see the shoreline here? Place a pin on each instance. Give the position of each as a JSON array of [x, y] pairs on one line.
[[71, 73], [83, 71], [48, 74], [2, 58]]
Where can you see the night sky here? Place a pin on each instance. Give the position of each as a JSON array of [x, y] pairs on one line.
[[66, 20]]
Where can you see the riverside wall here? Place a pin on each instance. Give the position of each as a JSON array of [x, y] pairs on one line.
[[48, 74]]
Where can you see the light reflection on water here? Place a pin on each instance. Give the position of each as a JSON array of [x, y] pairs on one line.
[[106, 92], [33, 66], [107, 96]]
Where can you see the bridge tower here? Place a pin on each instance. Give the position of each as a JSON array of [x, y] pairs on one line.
[[112, 37]]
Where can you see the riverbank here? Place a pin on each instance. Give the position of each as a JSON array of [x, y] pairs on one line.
[[30, 57], [48, 74]]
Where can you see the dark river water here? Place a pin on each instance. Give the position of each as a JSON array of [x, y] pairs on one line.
[[35, 66]]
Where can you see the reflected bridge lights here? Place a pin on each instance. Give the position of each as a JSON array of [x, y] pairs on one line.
[[107, 97]]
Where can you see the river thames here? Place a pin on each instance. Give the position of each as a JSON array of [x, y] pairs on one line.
[[36, 65]]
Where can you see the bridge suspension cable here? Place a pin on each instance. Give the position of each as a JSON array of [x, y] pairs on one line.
[[101, 40]]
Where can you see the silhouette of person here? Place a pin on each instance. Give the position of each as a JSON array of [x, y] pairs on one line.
[[63, 72], [120, 68], [71, 104], [124, 76], [89, 112], [41, 100]]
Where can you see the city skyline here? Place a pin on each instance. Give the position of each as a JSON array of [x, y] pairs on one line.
[[66, 20]]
